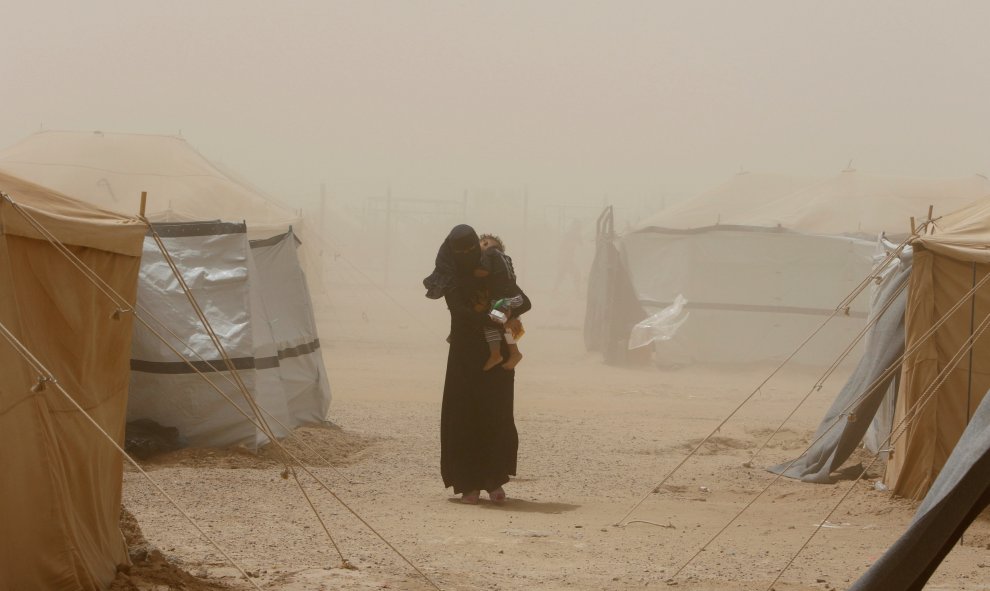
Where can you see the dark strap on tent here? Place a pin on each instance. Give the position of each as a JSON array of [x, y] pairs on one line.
[[187, 229], [218, 365], [752, 308], [264, 242]]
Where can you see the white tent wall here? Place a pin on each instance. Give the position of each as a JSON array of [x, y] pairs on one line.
[[281, 287], [215, 261], [753, 294]]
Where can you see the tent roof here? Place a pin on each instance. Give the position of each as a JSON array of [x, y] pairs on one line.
[[851, 202], [963, 234], [111, 170], [857, 203], [726, 202], [70, 220]]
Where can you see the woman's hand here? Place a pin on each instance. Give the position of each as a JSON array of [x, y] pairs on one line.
[[513, 325]]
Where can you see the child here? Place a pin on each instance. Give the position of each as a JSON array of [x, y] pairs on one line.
[[505, 295]]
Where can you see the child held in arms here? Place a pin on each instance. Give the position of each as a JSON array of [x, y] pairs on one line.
[[500, 276]]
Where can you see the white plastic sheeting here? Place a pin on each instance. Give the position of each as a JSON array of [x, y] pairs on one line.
[[876, 436], [289, 311], [661, 326], [260, 309], [753, 294]]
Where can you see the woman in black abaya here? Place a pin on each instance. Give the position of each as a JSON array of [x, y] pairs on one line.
[[478, 440]]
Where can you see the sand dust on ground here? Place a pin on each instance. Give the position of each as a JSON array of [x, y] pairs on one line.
[[594, 441]]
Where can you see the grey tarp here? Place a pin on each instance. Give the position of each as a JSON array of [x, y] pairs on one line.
[[255, 296], [613, 308], [959, 494], [884, 346], [289, 312], [216, 262]]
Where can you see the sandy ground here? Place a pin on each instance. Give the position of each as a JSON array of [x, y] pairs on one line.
[[594, 440]]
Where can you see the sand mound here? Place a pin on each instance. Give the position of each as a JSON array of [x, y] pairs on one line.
[[314, 445], [149, 568]]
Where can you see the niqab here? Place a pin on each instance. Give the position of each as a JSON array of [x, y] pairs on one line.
[[457, 257]]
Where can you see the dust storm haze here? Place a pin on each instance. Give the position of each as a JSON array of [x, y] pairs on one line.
[[383, 124], [511, 115]]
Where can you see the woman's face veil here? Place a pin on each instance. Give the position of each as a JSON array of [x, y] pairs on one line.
[[458, 256], [463, 244]]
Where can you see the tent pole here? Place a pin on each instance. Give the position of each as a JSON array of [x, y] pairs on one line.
[[323, 208], [969, 376], [144, 201], [525, 216], [972, 319], [388, 232]]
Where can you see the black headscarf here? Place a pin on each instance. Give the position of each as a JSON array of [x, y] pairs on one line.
[[458, 256]]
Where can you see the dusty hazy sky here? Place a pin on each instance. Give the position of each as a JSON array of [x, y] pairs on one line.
[[575, 99]]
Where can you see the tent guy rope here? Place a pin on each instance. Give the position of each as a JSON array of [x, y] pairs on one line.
[[817, 386], [901, 428], [252, 403], [142, 310], [123, 305], [49, 378], [836, 421], [842, 307]]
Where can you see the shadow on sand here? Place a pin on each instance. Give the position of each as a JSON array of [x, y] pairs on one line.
[[521, 506]]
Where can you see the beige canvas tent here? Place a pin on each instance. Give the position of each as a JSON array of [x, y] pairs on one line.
[[61, 481], [948, 262], [728, 202], [110, 170], [760, 274], [856, 203], [217, 228]]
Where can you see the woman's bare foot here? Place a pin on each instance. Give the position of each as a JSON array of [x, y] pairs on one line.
[[493, 360], [471, 498], [513, 360], [497, 496]]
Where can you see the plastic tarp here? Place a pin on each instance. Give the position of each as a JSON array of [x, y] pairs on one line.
[[876, 438], [661, 326], [958, 495], [847, 420], [61, 483], [260, 310], [282, 288], [612, 308], [763, 258], [753, 294]]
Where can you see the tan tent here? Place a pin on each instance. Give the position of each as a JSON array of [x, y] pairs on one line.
[[948, 262], [853, 202], [761, 269], [727, 203], [110, 170], [61, 481], [206, 216]]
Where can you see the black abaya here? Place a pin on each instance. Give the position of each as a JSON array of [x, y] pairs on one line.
[[478, 439]]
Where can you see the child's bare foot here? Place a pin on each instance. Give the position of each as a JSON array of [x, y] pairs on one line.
[[493, 360], [513, 360]]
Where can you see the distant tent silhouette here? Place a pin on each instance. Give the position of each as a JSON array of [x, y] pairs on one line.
[[763, 259]]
